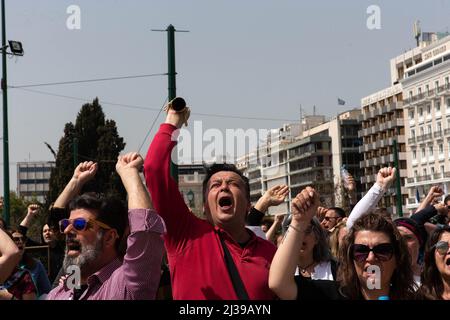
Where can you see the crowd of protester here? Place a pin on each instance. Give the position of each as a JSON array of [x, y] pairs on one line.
[[151, 246]]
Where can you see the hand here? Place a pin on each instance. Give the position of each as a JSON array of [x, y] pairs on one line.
[[177, 118], [351, 184], [5, 295], [279, 218], [304, 205], [385, 177], [321, 212], [434, 194], [441, 208], [275, 195], [85, 171], [33, 210], [130, 161]]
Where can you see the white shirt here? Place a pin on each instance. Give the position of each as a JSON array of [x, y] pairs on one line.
[[322, 271]]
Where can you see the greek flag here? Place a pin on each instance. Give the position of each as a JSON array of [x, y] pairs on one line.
[[341, 102]]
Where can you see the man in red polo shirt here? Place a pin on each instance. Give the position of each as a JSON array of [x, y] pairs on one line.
[[195, 253]]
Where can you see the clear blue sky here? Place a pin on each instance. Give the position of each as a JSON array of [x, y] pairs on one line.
[[254, 58]]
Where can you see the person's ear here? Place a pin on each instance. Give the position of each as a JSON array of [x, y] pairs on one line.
[[110, 237]]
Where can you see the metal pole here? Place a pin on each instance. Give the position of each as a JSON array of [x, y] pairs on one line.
[[397, 182], [172, 82], [4, 85]]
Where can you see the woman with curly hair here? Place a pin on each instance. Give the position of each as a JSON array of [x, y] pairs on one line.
[[436, 273], [373, 243]]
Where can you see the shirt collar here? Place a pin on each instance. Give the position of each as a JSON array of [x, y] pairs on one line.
[[105, 273]]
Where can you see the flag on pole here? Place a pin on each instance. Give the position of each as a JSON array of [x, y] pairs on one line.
[[341, 102]]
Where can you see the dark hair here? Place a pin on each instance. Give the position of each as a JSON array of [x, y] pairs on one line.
[[321, 250], [447, 198], [402, 282], [432, 284], [339, 211], [218, 167], [108, 210]]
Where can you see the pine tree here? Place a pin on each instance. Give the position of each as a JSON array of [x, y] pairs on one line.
[[98, 141]]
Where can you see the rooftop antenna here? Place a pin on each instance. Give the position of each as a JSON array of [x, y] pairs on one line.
[[416, 30]]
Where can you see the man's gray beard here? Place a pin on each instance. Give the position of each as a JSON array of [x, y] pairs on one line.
[[89, 253]]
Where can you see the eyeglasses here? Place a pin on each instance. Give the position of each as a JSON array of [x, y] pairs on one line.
[[80, 224], [441, 247], [21, 239], [382, 252]]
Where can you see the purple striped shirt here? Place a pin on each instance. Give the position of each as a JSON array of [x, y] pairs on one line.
[[137, 276]]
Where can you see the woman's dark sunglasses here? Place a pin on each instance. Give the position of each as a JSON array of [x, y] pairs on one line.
[[80, 224], [382, 252], [441, 247]]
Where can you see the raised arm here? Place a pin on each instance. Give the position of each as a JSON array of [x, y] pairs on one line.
[[282, 269], [84, 172], [10, 256], [142, 261], [272, 197], [163, 189], [270, 235], [385, 177], [432, 197]]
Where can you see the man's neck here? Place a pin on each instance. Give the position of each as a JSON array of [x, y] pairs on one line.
[[95, 267], [240, 235]]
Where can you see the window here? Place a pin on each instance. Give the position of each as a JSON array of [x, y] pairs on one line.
[[411, 114], [429, 110], [430, 151], [436, 85], [441, 149], [424, 171], [413, 133], [416, 173], [421, 131], [432, 171], [410, 95], [429, 129], [421, 112], [427, 89], [423, 153], [446, 82], [414, 154], [419, 91], [438, 106], [442, 170], [438, 127]]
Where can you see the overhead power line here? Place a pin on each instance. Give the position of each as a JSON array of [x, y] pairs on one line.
[[87, 80], [152, 108]]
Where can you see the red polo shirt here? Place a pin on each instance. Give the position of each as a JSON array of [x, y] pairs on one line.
[[195, 254]]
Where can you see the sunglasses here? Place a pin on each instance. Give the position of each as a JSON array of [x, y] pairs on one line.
[[441, 247], [80, 224], [382, 252]]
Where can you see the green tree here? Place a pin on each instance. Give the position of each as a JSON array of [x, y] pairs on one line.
[[98, 141]]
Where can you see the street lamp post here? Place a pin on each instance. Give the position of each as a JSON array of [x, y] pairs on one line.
[[16, 49]]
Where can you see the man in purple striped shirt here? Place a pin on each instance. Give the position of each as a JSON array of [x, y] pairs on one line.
[[93, 233]]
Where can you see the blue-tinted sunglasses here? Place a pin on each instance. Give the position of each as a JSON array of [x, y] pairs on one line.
[[80, 224]]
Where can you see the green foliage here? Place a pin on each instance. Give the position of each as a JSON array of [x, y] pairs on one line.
[[98, 141], [18, 211]]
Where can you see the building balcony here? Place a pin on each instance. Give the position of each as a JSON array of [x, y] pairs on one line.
[[438, 134], [447, 131], [412, 140]]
